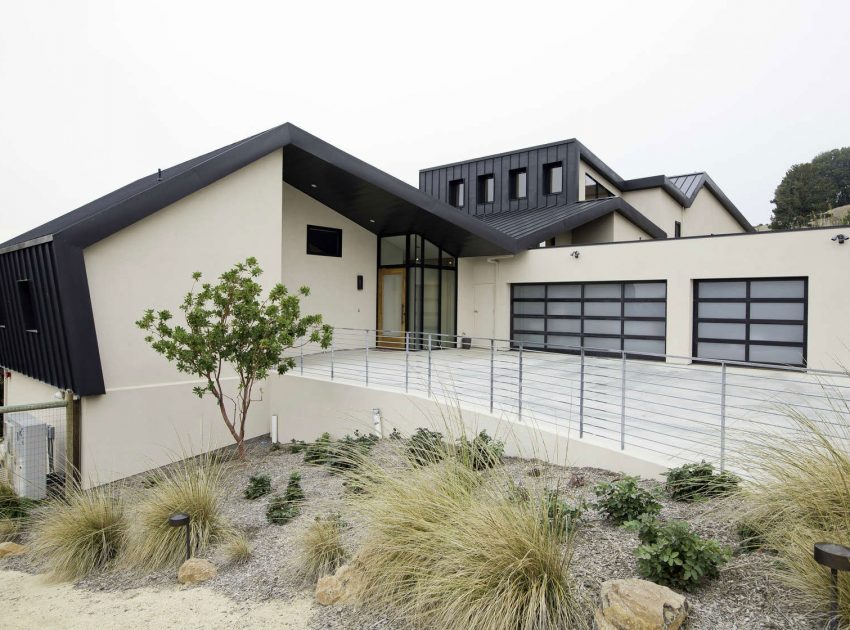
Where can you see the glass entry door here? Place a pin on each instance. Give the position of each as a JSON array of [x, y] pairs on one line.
[[391, 308]]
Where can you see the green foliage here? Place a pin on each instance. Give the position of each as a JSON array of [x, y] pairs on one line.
[[318, 453], [11, 505], [482, 452], [808, 190], [672, 555], [296, 446], [425, 447], [283, 509], [693, 482], [395, 434], [560, 515], [258, 485], [230, 323], [624, 500], [349, 452]]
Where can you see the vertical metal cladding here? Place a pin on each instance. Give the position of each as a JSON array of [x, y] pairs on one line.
[[40, 352]]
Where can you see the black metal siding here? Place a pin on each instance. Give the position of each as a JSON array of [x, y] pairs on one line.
[[435, 182]]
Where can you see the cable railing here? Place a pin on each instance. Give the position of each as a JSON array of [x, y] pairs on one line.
[[666, 407]]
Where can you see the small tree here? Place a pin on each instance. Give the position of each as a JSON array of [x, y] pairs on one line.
[[229, 323]]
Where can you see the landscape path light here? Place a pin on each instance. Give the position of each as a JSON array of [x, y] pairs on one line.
[[837, 558], [182, 520]]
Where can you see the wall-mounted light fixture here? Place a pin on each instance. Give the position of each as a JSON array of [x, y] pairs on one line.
[[359, 282], [841, 238]]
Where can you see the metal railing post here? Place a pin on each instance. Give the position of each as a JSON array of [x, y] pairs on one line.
[[333, 342], [623, 403], [581, 398], [722, 416], [519, 384], [366, 353], [406, 360], [429, 365], [492, 370]]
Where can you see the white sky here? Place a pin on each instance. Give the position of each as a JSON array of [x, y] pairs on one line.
[[96, 94]]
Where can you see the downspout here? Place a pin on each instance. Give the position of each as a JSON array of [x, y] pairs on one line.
[[494, 260]]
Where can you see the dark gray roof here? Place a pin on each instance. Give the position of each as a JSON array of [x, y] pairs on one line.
[[532, 226], [688, 184]]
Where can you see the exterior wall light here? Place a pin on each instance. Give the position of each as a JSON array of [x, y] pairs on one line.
[[182, 520], [841, 238], [837, 558]]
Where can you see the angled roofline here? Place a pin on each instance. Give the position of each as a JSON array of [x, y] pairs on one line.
[[498, 155]]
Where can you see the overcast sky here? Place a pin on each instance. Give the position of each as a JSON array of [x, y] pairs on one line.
[[96, 94]]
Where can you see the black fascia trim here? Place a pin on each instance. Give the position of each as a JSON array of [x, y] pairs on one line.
[[614, 204]]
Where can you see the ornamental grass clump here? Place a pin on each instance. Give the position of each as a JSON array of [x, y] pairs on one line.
[[194, 486], [798, 494], [84, 531], [449, 547], [321, 548]]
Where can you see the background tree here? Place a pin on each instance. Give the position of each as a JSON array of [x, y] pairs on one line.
[[230, 324], [811, 189]]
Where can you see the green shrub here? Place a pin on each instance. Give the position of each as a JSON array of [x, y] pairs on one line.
[[395, 434], [11, 505], [560, 515], [258, 485], [672, 555], [482, 452], [73, 536], [693, 482], [348, 453], [282, 509], [296, 446], [623, 500], [317, 453], [321, 547], [425, 447]]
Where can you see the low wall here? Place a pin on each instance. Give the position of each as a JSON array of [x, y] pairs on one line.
[[308, 407]]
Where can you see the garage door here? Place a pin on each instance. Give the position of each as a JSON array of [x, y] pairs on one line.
[[762, 320], [598, 316]]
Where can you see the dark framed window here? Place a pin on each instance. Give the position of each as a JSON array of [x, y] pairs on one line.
[[601, 317], [486, 188], [324, 241], [456, 193], [27, 300], [758, 320], [518, 183], [594, 190], [677, 229], [553, 178]]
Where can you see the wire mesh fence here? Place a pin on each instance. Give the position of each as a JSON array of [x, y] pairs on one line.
[[668, 408]]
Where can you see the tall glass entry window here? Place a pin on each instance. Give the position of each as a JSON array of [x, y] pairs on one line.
[[417, 292]]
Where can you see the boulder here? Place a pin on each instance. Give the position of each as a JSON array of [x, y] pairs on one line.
[[11, 549], [640, 605], [340, 588], [195, 571]]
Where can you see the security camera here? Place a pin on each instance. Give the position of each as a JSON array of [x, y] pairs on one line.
[[840, 238]]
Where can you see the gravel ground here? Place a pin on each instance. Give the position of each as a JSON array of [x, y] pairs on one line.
[[744, 596]]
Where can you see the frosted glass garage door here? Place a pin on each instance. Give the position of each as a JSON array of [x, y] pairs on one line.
[[760, 320], [599, 317]]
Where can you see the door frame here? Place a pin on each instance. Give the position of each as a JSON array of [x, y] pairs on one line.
[[389, 341]]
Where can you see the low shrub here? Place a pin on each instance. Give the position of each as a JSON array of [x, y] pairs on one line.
[[11, 505], [321, 547], [318, 452], [73, 536], [395, 434], [560, 515], [282, 509], [425, 447], [295, 446], [349, 452], [482, 452], [194, 486], [693, 482], [624, 500], [258, 486], [672, 555]]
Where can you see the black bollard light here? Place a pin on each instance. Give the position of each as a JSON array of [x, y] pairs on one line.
[[837, 558], [182, 520]]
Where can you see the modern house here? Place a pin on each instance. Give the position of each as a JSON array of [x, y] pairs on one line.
[[547, 246]]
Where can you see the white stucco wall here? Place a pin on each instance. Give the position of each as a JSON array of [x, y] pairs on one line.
[[680, 262], [708, 216], [657, 206]]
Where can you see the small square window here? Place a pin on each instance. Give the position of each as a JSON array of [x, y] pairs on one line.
[[486, 188], [553, 178], [456, 193], [518, 183], [324, 241], [25, 295]]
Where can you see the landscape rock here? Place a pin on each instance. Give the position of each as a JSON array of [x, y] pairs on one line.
[[640, 605], [195, 571], [11, 549], [340, 588]]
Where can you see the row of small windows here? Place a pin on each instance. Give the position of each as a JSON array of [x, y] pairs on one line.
[[553, 184], [27, 302]]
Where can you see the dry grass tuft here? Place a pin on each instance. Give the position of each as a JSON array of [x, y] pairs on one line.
[[237, 548], [194, 486], [10, 529], [321, 548], [78, 534], [445, 546]]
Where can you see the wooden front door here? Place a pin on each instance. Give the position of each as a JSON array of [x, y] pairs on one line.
[[391, 308]]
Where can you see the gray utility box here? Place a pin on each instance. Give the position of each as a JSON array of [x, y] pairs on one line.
[[26, 454]]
